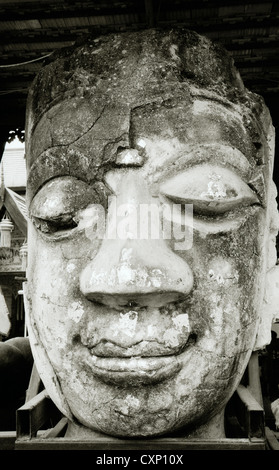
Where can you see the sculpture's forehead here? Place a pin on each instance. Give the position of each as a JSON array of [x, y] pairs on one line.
[[81, 137], [93, 122], [138, 63]]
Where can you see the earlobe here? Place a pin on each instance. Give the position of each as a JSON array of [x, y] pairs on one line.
[[269, 309]]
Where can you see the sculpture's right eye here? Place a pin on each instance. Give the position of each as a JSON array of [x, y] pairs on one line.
[[55, 206]]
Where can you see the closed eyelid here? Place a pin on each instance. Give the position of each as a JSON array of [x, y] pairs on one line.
[[58, 196], [56, 208], [210, 188]]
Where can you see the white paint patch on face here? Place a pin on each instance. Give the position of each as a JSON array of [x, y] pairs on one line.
[[132, 401], [222, 272], [215, 188], [51, 203], [126, 274], [151, 330], [70, 267], [207, 343], [129, 405], [128, 323], [129, 156], [156, 277], [172, 337], [182, 322], [97, 278], [126, 254], [75, 311], [141, 143]]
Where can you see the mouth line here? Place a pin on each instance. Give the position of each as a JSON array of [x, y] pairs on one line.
[[135, 369], [143, 348]]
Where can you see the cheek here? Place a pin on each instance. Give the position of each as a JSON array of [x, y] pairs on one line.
[[55, 266], [216, 309], [51, 275], [226, 299], [56, 303], [232, 257]]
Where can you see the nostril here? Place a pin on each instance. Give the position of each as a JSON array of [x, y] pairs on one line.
[[192, 338], [122, 300], [76, 339]]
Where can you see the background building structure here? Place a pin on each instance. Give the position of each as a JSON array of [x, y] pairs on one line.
[[13, 237]]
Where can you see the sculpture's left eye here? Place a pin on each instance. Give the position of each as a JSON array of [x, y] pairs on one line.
[[211, 189], [54, 208]]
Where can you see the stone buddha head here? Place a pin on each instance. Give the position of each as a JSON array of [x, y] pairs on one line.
[[152, 225]]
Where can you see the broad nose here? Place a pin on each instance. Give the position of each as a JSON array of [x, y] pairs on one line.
[[132, 271]]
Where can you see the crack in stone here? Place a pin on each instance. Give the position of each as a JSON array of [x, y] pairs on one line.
[[79, 137]]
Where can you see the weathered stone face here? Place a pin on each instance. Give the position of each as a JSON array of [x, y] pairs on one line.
[[141, 335]]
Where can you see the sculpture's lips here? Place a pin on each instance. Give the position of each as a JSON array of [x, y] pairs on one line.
[[141, 363], [143, 348], [133, 371]]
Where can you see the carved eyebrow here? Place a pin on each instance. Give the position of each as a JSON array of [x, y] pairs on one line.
[[221, 152], [53, 165], [218, 154], [211, 96], [243, 111]]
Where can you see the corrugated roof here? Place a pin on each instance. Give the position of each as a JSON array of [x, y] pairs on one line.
[[14, 166], [16, 207], [19, 201]]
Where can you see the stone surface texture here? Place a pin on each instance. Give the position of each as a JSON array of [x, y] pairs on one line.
[[146, 336]]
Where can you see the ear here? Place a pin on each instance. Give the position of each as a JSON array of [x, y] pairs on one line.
[[269, 309]]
